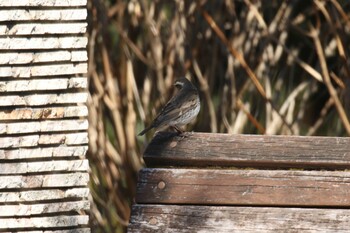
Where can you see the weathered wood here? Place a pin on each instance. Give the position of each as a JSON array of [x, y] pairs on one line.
[[43, 99], [43, 70], [43, 166], [42, 209], [44, 113], [43, 126], [69, 42], [43, 29], [43, 3], [47, 152], [171, 218], [44, 222], [15, 58], [43, 140], [205, 149], [75, 230], [43, 84], [42, 14], [244, 187], [44, 195], [44, 181]]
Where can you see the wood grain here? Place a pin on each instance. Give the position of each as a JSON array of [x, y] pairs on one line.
[[78, 165], [43, 29], [66, 139], [208, 219], [44, 195], [244, 187], [43, 84], [43, 99], [43, 208], [43, 127], [26, 71], [77, 179], [43, 43], [48, 152], [206, 149], [43, 113], [28, 14], [12, 58], [44, 3], [35, 223]]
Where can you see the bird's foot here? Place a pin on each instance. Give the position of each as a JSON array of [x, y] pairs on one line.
[[180, 133], [177, 129]]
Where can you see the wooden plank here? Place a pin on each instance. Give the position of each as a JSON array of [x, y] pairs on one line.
[[43, 3], [15, 58], [43, 84], [205, 149], [44, 181], [43, 166], [68, 42], [244, 187], [44, 222], [42, 29], [74, 230], [43, 99], [42, 70], [44, 113], [66, 139], [44, 195], [46, 152], [42, 14], [42, 209], [208, 219], [43, 126]]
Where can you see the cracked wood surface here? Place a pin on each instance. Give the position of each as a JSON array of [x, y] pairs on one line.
[[208, 219]]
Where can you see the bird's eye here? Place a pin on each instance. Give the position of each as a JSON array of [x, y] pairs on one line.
[[178, 84]]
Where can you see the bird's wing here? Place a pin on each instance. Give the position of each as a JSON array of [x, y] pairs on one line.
[[175, 107]]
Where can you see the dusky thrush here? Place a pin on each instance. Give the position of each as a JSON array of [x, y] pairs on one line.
[[180, 110]]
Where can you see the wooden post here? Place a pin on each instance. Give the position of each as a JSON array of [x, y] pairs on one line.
[[43, 117]]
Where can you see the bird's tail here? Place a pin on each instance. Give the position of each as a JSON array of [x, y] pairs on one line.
[[145, 130]]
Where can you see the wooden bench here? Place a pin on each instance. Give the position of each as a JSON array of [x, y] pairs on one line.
[[237, 183]]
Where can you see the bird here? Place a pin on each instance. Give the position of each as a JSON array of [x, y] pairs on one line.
[[180, 110]]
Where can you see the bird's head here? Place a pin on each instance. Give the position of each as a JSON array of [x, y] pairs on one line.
[[182, 82]]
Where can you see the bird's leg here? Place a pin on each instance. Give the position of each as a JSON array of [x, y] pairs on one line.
[[178, 129], [181, 133]]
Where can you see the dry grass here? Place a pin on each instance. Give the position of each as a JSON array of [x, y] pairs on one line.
[[267, 67]]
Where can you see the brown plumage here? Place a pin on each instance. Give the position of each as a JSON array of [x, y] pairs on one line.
[[180, 110]]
